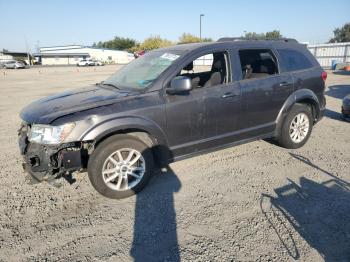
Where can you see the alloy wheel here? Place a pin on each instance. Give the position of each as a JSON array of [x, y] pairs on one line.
[[123, 169], [299, 127]]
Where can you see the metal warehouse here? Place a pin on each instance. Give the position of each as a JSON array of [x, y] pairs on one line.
[[72, 54], [329, 54]]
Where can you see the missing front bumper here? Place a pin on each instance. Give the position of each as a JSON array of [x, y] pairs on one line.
[[46, 163]]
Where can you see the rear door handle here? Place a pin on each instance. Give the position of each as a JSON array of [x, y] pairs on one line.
[[229, 94], [285, 84]]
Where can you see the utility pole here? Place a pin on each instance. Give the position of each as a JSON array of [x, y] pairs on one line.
[[200, 26], [28, 57]]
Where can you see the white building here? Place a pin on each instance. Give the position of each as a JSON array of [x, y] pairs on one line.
[[330, 54], [72, 54], [5, 57]]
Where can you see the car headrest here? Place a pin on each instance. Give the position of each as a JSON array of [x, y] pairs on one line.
[[219, 62], [189, 67], [217, 65], [268, 67]]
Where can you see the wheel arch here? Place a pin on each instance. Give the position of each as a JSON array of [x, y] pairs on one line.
[[301, 96], [145, 130]]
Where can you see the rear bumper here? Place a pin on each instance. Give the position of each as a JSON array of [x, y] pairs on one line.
[[345, 109], [345, 112]]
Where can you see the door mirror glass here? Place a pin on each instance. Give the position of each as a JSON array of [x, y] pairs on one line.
[[180, 85]]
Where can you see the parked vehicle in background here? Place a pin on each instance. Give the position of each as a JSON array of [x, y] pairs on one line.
[[164, 107], [139, 53], [98, 63], [345, 109], [86, 62], [13, 65]]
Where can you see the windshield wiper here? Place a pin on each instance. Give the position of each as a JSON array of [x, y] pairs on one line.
[[109, 84]]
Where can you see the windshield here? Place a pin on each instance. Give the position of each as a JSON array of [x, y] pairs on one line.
[[142, 72]]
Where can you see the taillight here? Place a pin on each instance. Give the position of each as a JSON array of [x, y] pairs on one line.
[[324, 75]]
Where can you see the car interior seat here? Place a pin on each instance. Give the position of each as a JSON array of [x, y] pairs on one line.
[[218, 71]]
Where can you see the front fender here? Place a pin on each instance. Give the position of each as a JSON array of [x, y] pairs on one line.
[[300, 95], [109, 126]]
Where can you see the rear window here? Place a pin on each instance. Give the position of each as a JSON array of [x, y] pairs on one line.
[[293, 60]]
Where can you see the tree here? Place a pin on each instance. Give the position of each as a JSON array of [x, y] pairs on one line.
[[119, 43], [341, 34], [275, 34], [207, 39], [186, 38], [154, 42]]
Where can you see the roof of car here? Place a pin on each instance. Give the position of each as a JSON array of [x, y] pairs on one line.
[[185, 47], [240, 42]]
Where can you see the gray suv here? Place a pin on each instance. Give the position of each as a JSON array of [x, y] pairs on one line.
[[171, 104]]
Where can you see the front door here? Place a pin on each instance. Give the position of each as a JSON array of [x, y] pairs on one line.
[[185, 114], [207, 116]]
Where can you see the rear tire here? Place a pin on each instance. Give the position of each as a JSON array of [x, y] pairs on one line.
[[111, 169], [297, 127]]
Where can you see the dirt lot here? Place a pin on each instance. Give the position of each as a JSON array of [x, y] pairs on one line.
[[255, 202]]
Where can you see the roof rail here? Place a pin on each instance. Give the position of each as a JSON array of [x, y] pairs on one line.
[[227, 39]]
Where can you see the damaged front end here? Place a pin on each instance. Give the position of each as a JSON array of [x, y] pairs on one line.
[[45, 162]]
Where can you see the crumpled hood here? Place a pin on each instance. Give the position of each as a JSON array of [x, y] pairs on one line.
[[47, 109]]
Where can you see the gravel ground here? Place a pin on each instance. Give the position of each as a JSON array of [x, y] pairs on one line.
[[254, 202]]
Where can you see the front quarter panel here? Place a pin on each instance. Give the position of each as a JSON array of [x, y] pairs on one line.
[[143, 112], [101, 130]]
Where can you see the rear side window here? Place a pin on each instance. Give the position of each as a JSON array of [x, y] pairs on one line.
[[293, 60], [257, 63]]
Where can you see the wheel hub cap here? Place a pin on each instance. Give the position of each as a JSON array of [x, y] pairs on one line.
[[123, 169], [299, 128]]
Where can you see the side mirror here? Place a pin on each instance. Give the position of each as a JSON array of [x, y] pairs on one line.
[[179, 85]]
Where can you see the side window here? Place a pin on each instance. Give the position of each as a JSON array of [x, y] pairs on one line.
[[208, 70], [257, 63], [293, 60], [201, 64]]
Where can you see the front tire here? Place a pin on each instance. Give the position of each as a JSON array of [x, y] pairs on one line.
[[297, 127], [120, 166]]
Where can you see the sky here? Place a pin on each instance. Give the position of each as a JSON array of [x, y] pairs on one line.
[[52, 23]]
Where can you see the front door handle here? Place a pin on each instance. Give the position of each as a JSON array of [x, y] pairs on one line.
[[283, 84], [229, 94]]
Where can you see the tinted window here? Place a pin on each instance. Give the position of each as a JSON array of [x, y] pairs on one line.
[[257, 63], [293, 60], [208, 70]]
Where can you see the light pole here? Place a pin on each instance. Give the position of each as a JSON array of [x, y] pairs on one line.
[[200, 26]]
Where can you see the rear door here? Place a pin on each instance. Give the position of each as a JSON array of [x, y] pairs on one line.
[[304, 68], [264, 90]]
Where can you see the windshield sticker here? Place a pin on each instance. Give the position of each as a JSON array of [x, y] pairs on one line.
[[170, 57]]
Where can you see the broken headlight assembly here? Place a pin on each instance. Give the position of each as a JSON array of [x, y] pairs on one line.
[[51, 135]]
